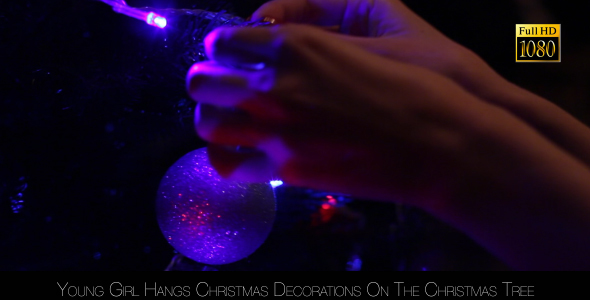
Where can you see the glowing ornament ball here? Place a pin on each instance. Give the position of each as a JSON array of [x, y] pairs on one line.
[[210, 219]]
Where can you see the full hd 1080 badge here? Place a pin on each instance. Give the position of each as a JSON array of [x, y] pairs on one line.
[[538, 43]]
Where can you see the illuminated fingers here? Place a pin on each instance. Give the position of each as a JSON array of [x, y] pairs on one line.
[[241, 164], [241, 46], [261, 47], [211, 82], [318, 12], [229, 126]]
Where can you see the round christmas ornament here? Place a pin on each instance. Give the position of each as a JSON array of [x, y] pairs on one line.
[[210, 219]]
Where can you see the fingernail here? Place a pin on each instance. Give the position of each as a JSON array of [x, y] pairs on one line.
[[269, 20], [234, 164]]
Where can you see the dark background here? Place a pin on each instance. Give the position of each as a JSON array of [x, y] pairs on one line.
[[93, 111]]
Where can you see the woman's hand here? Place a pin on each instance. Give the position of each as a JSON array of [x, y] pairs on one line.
[[328, 114], [389, 29], [319, 110]]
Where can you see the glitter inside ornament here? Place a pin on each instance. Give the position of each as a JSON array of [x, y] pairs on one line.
[[210, 219]]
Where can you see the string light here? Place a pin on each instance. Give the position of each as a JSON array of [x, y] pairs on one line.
[[151, 18], [276, 183]]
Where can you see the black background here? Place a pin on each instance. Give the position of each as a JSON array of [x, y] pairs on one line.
[[93, 111]]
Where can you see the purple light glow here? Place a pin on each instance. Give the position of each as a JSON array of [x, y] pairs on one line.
[[156, 20], [150, 18], [209, 219]]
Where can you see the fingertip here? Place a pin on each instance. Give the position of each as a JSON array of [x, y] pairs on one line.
[[200, 124], [272, 9], [225, 125], [240, 164], [194, 80], [222, 41], [190, 77], [212, 41], [248, 47], [187, 83]]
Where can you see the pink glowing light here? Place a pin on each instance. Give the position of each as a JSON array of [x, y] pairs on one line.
[[150, 18]]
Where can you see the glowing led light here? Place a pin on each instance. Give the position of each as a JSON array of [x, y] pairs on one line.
[[156, 20], [160, 22], [150, 18], [354, 264], [275, 183]]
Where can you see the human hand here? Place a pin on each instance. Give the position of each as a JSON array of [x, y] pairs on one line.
[[385, 27], [330, 115], [390, 29], [327, 114]]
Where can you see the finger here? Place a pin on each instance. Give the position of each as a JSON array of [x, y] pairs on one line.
[[372, 16], [240, 46], [324, 13], [210, 82], [228, 126], [267, 45], [236, 164]]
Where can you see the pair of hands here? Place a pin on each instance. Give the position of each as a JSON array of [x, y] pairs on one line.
[[366, 98]]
